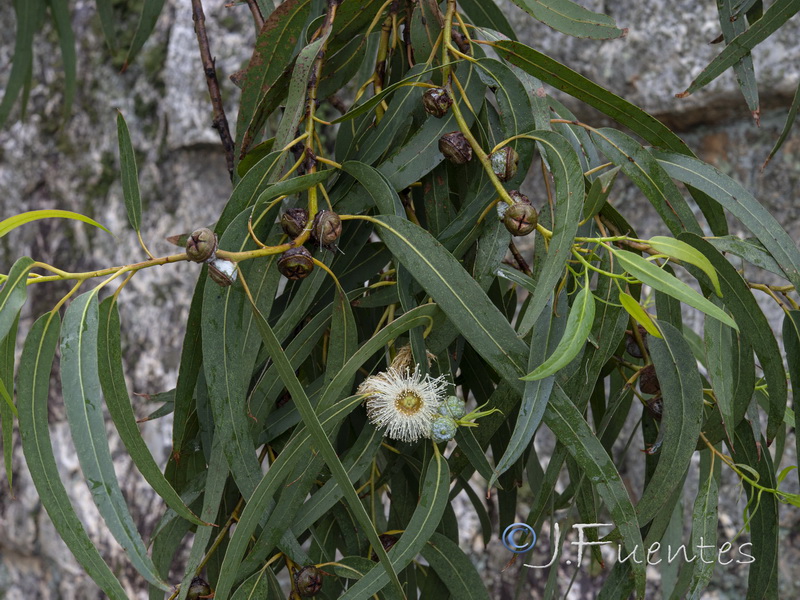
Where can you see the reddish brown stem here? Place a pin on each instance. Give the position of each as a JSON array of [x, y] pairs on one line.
[[220, 122]]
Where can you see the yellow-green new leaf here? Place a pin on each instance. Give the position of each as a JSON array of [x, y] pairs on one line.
[[641, 316], [685, 253], [660, 280], [579, 324], [10, 223]]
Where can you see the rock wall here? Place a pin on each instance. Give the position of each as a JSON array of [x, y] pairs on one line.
[[47, 161]]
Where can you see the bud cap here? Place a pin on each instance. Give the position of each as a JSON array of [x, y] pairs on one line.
[[455, 147], [296, 263], [437, 102], [201, 245]]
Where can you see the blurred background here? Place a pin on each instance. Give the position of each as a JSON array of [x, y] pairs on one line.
[[48, 160]]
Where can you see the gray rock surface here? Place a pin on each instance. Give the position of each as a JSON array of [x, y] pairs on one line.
[[46, 162]]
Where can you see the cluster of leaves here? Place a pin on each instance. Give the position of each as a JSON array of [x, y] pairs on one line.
[[270, 366]]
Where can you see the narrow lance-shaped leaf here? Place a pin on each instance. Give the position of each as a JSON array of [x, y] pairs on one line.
[[682, 391], [13, 294], [33, 391], [573, 19], [745, 72], [755, 329], [791, 344], [684, 252], [82, 398], [787, 126], [112, 382], [777, 14], [426, 517], [579, 324], [66, 39], [321, 441], [454, 568], [29, 14], [129, 174], [151, 10], [8, 411], [11, 223], [634, 309], [660, 280], [547, 333]]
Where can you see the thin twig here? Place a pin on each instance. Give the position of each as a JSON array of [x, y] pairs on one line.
[[220, 122], [257, 16], [523, 265]]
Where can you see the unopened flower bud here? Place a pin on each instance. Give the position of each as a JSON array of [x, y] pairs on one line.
[[455, 147], [222, 272], [437, 102], [443, 428], [327, 228], [387, 541], [504, 163], [648, 380], [632, 346], [294, 221], [520, 218], [199, 588], [296, 263], [453, 407], [201, 245], [308, 581]]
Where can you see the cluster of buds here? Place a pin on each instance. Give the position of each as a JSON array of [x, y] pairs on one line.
[[297, 263]]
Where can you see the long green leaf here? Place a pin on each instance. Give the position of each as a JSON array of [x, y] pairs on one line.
[[454, 568], [311, 421], [426, 517], [129, 173], [29, 14], [82, 398], [212, 498], [579, 324], [14, 293], [705, 518], [634, 309], [791, 345], [33, 391], [147, 23], [631, 116], [273, 50], [294, 451], [754, 327], [66, 39], [548, 332], [739, 202], [745, 72], [787, 126], [681, 421], [8, 411], [488, 14], [10, 223], [660, 280], [573, 19], [684, 252], [112, 382], [740, 46], [650, 177]]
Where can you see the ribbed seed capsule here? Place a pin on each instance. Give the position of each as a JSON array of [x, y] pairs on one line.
[[201, 245], [520, 218], [222, 272], [308, 581], [294, 221], [455, 147], [199, 588], [648, 380], [296, 263], [327, 228], [437, 102], [504, 163]]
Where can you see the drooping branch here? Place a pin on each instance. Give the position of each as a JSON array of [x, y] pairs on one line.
[[220, 122]]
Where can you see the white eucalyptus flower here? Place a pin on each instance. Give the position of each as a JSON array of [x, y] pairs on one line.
[[403, 403]]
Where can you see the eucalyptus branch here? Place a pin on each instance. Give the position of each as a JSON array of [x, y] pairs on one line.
[[220, 122]]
